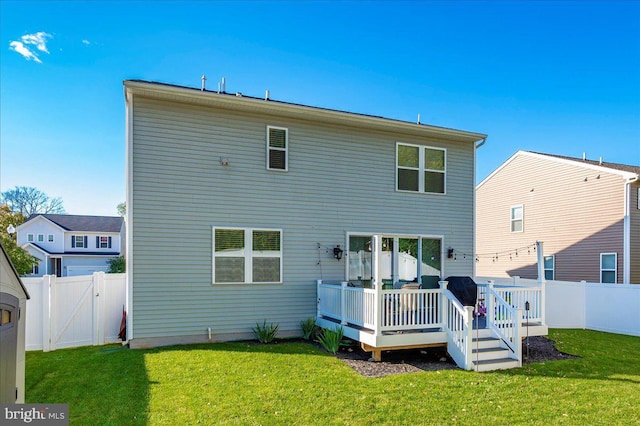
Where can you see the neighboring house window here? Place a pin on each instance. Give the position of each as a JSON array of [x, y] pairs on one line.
[[242, 255], [420, 168], [103, 242], [41, 238], [35, 269], [50, 238], [517, 219], [549, 267], [30, 238], [79, 241], [609, 268], [277, 148]]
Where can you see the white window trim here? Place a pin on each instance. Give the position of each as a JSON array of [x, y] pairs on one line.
[[31, 238], [247, 253], [100, 237], [615, 270], [41, 236], [421, 169], [51, 238], [511, 220], [553, 270], [286, 149], [74, 244]]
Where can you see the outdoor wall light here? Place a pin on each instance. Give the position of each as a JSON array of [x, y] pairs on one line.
[[337, 252], [224, 161], [449, 253]]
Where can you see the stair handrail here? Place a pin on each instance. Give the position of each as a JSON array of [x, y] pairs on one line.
[[458, 323], [509, 329]]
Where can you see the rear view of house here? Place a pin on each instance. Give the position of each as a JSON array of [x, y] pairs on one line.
[[237, 206], [586, 212]]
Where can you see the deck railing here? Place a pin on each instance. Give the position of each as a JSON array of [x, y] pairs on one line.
[[506, 320], [459, 326], [399, 309], [518, 297]]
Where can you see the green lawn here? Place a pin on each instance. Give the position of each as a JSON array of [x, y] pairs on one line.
[[296, 383]]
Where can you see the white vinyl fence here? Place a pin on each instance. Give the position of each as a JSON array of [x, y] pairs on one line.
[[614, 308], [74, 311]]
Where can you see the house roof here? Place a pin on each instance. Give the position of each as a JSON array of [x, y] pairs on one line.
[[614, 166], [238, 101], [624, 170], [71, 253], [79, 223], [13, 269]]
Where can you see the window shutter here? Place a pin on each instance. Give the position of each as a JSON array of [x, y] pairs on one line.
[[86, 241], [73, 241], [109, 242], [97, 242]]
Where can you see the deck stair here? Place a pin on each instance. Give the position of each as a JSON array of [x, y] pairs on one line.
[[490, 353]]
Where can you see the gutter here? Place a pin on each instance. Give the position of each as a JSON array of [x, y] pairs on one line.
[[626, 238]]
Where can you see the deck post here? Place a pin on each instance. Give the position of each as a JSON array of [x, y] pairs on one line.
[[319, 285], [443, 314], [517, 344], [541, 278], [490, 315], [377, 303], [468, 338], [343, 302]]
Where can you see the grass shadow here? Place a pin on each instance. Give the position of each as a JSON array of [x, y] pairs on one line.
[[109, 380]]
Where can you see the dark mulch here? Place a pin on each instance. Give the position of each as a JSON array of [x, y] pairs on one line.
[[540, 349]]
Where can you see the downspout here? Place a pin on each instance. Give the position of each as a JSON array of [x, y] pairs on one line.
[[473, 239], [626, 238], [128, 96]]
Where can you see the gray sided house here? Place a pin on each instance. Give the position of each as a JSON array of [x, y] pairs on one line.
[[237, 206], [586, 212]]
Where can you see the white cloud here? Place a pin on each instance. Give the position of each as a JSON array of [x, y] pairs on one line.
[[17, 46], [39, 40], [87, 42]]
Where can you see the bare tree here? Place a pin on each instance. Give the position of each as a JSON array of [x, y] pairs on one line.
[[28, 200]]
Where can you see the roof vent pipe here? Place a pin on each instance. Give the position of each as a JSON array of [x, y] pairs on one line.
[[584, 156], [266, 95], [601, 160], [224, 85], [204, 79], [418, 118], [218, 87]]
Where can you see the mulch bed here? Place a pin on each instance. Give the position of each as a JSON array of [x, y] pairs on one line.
[[540, 349]]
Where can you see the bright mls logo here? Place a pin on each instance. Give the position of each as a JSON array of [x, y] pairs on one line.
[[20, 414]]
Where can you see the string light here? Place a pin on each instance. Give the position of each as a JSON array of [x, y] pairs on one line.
[[495, 256]]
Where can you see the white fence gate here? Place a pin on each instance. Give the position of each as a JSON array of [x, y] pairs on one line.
[[614, 308], [74, 311]]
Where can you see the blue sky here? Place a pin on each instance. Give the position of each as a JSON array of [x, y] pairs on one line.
[[555, 77]]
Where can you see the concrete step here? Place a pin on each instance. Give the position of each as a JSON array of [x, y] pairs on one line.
[[495, 364], [487, 354]]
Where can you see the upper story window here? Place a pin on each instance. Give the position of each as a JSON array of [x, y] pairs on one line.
[[50, 238], [421, 168], [244, 255], [609, 268], [277, 148], [103, 242], [517, 218], [79, 241], [41, 238], [30, 238]]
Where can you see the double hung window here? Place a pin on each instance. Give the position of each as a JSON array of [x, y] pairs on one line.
[[421, 168]]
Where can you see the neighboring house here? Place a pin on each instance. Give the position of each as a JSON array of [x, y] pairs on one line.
[[68, 245], [587, 214], [13, 303]]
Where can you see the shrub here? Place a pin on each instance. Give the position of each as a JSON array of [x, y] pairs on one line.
[[308, 328], [331, 340], [265, 333]]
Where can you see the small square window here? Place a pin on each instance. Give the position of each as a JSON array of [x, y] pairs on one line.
[[50, 238], [41, 238], [30, 238]]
